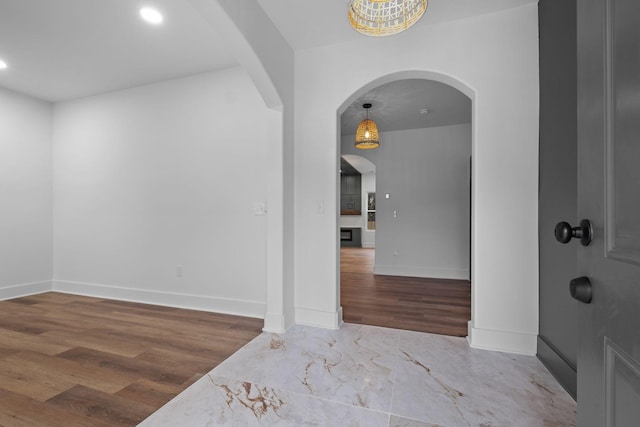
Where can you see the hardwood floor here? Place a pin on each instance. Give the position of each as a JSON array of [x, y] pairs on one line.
[[438, 306], [68, 360]]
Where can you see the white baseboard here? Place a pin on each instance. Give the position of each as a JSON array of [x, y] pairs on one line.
[[320, 319], [25, 289], [274, 322], [504, 341], [169, 299], [369, 245], [430, 272]]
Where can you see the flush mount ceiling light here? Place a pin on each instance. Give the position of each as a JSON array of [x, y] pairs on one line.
[[3, 65], [367, 133], [385, 17], [152, 16]]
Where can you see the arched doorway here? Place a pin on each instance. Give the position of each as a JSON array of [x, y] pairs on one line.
[[423, 205]]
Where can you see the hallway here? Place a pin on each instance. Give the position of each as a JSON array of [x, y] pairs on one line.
[[438, 306]]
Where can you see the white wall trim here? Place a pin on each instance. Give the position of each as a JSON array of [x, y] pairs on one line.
[[320, 319], [275, 319], [430, 272], [275, 322], [23, 290], [369, 245], [169, 299], [505, 341]]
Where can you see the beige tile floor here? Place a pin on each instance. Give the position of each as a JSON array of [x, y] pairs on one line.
[[370, 376]]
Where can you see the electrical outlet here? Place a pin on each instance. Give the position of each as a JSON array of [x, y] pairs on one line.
[[179, 270], [259, 209], [395, 252]]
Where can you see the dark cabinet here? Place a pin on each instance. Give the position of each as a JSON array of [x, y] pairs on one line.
[[350, 194], [351, 237]]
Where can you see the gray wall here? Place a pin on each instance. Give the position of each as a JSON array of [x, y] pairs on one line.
[[557, 341], [426, 173], [26, 225], [149, 205]]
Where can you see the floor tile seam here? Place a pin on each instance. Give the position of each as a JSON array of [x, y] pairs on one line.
[[298, 394], [395, 366], [395, 357], [394, 384], [345, 404], [413, 418]]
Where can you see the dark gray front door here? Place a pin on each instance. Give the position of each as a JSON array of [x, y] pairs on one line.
[[609, 196]]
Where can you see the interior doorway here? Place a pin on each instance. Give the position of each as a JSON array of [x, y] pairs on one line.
[[416, 275], [440, 306]]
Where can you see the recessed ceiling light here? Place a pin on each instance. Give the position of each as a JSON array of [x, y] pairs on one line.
[[152, 16], [424, 111], [3, 65]]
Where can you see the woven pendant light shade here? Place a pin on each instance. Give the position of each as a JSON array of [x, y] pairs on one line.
[[385, 17], [367, 133]]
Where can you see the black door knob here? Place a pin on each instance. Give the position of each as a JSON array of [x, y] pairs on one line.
[[564, 232], [580, 289]]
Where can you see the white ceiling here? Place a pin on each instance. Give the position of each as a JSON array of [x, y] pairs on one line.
[[396, 106], [312, 23], [64, 49]]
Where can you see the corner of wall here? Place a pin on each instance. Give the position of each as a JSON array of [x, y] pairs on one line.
[[319, 319], [503, 341], [274, 322]]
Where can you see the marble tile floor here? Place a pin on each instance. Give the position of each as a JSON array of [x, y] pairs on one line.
[[369, 376]]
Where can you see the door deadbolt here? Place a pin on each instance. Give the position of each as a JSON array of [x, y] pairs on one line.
[[580, 289]]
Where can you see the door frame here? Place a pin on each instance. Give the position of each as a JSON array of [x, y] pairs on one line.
[[405, 75]]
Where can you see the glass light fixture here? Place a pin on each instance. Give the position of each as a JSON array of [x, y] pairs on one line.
[[367, 133], [385, 17]]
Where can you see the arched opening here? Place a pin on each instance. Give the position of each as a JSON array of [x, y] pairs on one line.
[[423, 210]]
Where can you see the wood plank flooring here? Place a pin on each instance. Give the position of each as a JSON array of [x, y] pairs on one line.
[[68, 360], [438, 306]]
